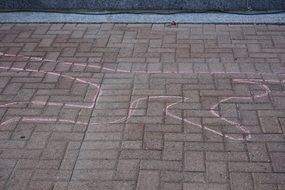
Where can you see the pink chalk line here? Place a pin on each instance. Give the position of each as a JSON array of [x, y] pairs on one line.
[[133, 105]]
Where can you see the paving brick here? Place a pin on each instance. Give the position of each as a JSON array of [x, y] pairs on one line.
[[173, 151], [152, 140], [249, 167], [278, 161], [228, 110], [131, 145], [42, 164], [15, 153], [11, 144], [95, 164], [40, 185], [278, 147], [194, 161], [155, 109], [241, 181], [177, 176], [46, 42], [53, 175], [69, 160], [103, 145], [226, 156], [85, 185], [270, 125], [92, 175], [103, 136], [163, 128], [133, 132], [54, 150], [216, 172], [182, 137], [140, 154], [127, 170], [277, 178], [258, 152], [38, 140], [17, 184], [148, 180], [67, 136], [7, 163], [249, 118], [5, 173], [203, 146], [98, 154], [160, 165], [200, 186], [266, 138]]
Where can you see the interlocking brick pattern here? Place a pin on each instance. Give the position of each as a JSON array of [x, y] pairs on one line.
[[142, 107]]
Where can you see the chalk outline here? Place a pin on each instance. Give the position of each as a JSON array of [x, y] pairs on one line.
[[134, 104]]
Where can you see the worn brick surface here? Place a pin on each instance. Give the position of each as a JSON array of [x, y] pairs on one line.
[[210, 115]]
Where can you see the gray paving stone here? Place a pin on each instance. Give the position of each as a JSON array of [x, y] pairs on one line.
[[152, 140], [148, 180], [127, 170], [258, 152], [194, 161], [173, 151], [278, 161], [217, 172], [270, 125], [249, 167], [133, 132], [86, 175], [210, 186], [241, 181], [160, 165], [98, 154]]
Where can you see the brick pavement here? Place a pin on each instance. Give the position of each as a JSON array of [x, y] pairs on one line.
[[142, 107]]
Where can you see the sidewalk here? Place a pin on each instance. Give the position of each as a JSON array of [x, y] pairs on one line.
[[142, 107]]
